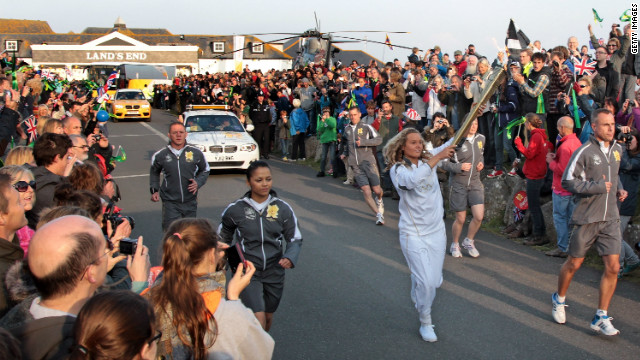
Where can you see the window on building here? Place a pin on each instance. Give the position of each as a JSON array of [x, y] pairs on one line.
[[258, 48], [11, 45], [218, 46]]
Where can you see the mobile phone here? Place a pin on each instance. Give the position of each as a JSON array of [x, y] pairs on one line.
[[234, 257], [128, 246]]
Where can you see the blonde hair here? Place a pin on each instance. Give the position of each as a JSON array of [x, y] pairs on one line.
[[393, 152], [20, 155]]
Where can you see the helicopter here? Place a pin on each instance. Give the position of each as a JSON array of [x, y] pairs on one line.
[[314, 45]]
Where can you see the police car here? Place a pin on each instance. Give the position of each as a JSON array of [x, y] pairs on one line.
[[220, 136]]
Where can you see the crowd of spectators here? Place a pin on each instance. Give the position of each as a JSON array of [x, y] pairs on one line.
[[61, 229]]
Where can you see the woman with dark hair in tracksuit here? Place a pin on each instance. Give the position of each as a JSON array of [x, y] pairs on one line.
[[262, 224]]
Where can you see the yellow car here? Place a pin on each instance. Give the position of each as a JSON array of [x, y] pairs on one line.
[[130, 104]]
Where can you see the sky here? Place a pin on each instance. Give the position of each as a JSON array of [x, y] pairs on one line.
[[451, 24]]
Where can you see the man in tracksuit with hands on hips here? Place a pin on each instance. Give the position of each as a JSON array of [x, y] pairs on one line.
[[184, 169], [592, 177], [361, 139]]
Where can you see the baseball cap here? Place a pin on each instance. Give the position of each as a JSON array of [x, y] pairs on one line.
[[457, 52]]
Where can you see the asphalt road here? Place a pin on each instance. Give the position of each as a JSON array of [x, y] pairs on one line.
[[349, 296]]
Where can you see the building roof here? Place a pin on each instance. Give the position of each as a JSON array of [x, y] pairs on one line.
[[16, 26], [34, 32]]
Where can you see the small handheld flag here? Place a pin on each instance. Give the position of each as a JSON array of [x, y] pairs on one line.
[[30, 124], [388, 42], [625, 17], [596, 18], [516, 40], [584, 66]]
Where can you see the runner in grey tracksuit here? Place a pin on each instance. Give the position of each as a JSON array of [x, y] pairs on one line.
[[262, 236], [466, 191], [178, 168]]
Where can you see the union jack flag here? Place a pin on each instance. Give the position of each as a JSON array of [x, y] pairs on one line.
[[31, 123], [584, 66], [102, 94], [110, 80], [517, 214]]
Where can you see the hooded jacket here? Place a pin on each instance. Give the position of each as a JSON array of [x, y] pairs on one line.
[[589, 168], [177, 171], [471, 151], [262, 234], [536, 154]]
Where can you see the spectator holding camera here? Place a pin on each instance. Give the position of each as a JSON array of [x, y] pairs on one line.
[[197, 318], [505, 108], [586, 105], [68, 261], [561, 77]]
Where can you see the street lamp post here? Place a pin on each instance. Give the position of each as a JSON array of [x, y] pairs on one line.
[[13, 46]]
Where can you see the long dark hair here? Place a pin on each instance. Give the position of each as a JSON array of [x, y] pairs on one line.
[[106, 329], [184, 246]]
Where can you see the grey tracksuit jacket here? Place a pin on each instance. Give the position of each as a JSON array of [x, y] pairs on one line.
[[471, 151], [369, 138], [588, 169], [177, 172], [262, 234]]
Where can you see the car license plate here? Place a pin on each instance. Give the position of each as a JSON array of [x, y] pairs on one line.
[[132, 112], [223, 158]]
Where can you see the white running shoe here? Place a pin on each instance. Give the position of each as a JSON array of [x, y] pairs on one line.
[[467, 244], [427, 333], [602, 323], [347, 182], [455, 250], [379, 219], [558, 310]]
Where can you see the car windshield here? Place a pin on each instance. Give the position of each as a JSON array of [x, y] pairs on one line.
[[129, 95], [199, 123]]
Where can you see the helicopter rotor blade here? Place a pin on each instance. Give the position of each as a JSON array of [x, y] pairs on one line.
[[254, 44], [370, 31], [375, 42], [317, 25], [261, 34]]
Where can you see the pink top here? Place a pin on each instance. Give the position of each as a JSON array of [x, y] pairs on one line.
[[24, 235]]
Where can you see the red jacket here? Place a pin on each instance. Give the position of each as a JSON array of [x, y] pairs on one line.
[[536, 154], [566, 146]]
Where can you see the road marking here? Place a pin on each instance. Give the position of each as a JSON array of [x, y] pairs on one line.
[[159, 133], [129, 176], [127, 135], [394, 264]]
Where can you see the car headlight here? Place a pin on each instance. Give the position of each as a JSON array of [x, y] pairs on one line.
[[201, 147], [145, 106], [248, 147], [119, 106]]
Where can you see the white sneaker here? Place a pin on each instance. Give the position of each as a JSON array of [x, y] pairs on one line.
[[347, 182], [427, 333], [558, 312], [513, 172], [467, 244], [455, 250], [602, 323], [379, 219]]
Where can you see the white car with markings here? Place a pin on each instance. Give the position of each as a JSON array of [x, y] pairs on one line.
[[220, 136]]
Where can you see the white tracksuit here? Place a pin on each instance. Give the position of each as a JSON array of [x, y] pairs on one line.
[[423, 238]]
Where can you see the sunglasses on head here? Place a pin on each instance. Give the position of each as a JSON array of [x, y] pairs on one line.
[[23, 186]]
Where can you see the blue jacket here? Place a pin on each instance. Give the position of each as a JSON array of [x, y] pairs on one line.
[[509, 109], [363, 95], [299, 121]]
